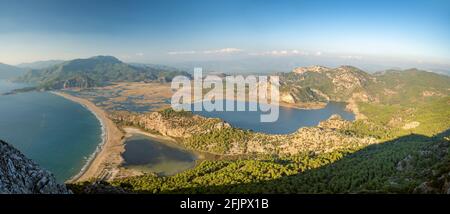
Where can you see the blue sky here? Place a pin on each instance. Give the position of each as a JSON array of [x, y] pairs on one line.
[[175, 31]]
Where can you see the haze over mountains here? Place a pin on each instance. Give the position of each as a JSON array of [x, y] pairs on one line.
[[249, 65], [9, 71], [298, 85], [400, 110], [271, 64], [39, 64], [95, 71], [347, 83]]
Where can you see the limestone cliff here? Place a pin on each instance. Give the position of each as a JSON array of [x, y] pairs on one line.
[[20, 175], [322, 84], [212, 135]]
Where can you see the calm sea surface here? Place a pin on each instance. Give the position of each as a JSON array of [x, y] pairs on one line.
[[289, 120], [145, 153], [56, 133], [60, 135], [149, 154]]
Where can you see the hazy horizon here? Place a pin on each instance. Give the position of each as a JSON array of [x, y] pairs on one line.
[[231, 36]]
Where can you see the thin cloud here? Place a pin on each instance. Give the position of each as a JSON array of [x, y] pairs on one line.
[[181, 52], [217, 51], [224, 50], [280, 53], [351, 57]]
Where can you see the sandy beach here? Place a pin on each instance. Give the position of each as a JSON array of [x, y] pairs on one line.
[[105, 163], [107, 159]]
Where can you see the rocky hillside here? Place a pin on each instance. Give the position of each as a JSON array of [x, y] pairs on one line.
[[347, 83], [95, 71], [212, 135], [318, 83], [20, 175], [400, 146], [9, 71]]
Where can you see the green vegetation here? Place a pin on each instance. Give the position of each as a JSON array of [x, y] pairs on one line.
[[407, 111], [218, 141], [432, 117], [397, 166], [9, 71], [219, 174], [337, 84], [95, 71], [170, 113]]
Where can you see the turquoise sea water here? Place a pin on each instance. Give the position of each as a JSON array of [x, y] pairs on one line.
[[60, 135], [56, 133]]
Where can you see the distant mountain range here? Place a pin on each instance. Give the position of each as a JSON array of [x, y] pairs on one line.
[[267, 64], [40, 64], [322, 84], [96, 71], [9, 71]]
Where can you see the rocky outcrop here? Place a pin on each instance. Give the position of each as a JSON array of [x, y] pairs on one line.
[[20, 175], [322, 84], [173, 125], [79, 82], [287, 98], [335, 122], [438, 176], [348, 77], [205, 134], [308, 139], [306, 94], [315, 68], [411, 125]]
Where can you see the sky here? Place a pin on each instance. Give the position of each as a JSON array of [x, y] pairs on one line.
[[396, 33]]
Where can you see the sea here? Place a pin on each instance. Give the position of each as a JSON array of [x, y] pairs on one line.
[[58, 134], [61, 135]]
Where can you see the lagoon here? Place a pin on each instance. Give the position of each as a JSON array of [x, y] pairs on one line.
[[153, 155], [289, 120]]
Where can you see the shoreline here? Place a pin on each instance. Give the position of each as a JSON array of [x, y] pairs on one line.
[[98, 148], [169, 141], [247, 98], [130, 130], [301, 106], [106, 159], [105, 162]]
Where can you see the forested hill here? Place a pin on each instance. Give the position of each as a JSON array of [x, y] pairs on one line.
[[404, 112], [40, 64], [322, 84], [95, 71], [9, 71]]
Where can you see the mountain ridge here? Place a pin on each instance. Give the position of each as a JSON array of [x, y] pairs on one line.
[[10, 71], [39, 64], [94, 71], [321, 84]]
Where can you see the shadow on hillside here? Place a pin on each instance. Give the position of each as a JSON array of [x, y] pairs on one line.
[[365, 171], [396, 166]]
